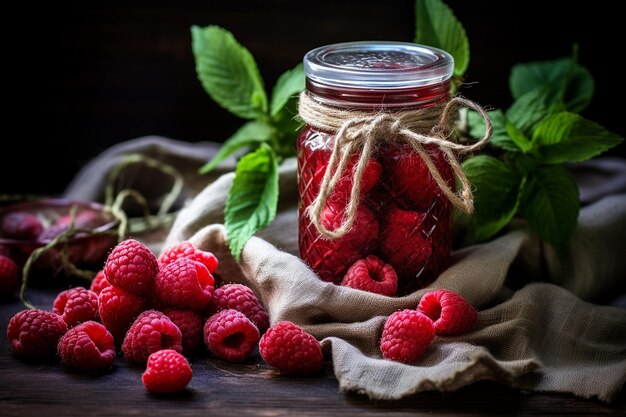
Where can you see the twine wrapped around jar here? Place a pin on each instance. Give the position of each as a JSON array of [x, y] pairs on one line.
[[362, 132]]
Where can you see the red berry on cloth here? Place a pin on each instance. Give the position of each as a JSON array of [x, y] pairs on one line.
[[76, 305], [406, 336], [240, 298], [341, 193], [151, 331], [289, 348], [450, 313], [167, 371], [35, 333], [118, 309], [9, 280], [187, 250], [21, 225], [230, 335], [99, 282], [88, 346], [409, 176], [373, 275], [131, 266], [186, 284], [403, 245], [331, 258], [191, 327]]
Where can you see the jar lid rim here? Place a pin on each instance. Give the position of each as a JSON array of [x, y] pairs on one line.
[[378, 65]]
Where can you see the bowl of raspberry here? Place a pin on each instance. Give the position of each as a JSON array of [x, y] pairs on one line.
[[29, 225]]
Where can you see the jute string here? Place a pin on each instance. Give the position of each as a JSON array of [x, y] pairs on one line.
[[362, 132]]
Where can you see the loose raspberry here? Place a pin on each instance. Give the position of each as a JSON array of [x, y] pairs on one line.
[[191, 326], [341, 193], [21, 225], [403, 245], [9, 280], [167, 371], [230, 335], [409, 176], [331, 258], [186, 284], [76, 305], [35, 333], [289, 348], [118, 309], [151, 331], [240, 298], [373, 275], [187, 250], [449, 311], [99, 282], [131, 266], [406, 336], [88, 346]]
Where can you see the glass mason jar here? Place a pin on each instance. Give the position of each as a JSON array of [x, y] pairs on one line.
[[403, 217]]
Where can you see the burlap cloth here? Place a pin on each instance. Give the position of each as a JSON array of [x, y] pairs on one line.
[[535, 332]]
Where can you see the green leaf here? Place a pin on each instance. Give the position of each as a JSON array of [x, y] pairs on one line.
[[287, 127], [520, 140], [550, 204], [568, 137], [228, 72], [251, 133], [528, 110], [436, 25], [253, 197], [500, 138], [495, 196], [289, 84], [565, 80]]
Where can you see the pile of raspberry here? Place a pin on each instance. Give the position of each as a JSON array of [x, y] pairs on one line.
[[400, 239], [158, 313]]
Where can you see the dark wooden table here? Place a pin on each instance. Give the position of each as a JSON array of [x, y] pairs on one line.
[[252, 389]]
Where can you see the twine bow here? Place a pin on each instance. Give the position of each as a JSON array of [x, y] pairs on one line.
[[361, 131]]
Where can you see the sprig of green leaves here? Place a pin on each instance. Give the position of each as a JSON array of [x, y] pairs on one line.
[[532, 139], [536, 136], [229, 74]]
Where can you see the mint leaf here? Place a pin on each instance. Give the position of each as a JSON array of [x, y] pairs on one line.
[[495, 196], [228, 72], [500, 138], [568, 137], [550, 204], [251, 133], [528, 110], [516, 135], [288, 84], [579, 90], [436, 25], [565, 80], [253, 197], [287, 127]]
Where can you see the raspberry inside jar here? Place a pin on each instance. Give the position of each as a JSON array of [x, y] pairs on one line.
[[403, 217]]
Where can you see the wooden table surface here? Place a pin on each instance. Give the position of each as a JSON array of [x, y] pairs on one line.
[[252, 389]]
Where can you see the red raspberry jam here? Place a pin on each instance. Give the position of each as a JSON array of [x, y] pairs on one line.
[[403, 216]]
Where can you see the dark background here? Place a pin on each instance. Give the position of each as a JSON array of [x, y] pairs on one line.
[[84, 76]]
